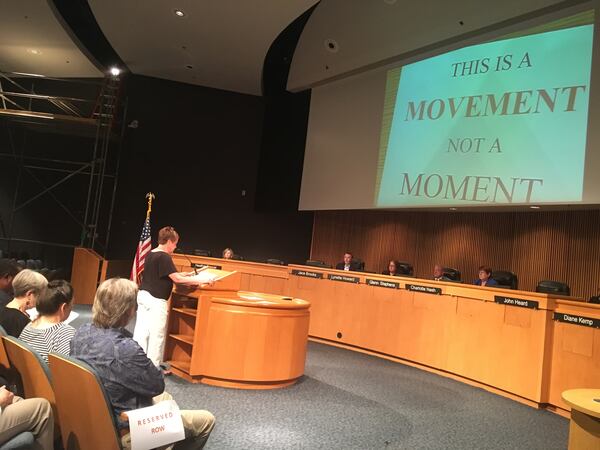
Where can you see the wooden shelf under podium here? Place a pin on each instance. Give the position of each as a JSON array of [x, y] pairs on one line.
[[230, 338]]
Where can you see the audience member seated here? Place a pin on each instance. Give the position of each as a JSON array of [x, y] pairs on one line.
[[349, 263], [485, 279], [19, 415], [438, 273], [27, 286], [130, 379], [393, 269], [8, 270], [228, 253], [49, 333]]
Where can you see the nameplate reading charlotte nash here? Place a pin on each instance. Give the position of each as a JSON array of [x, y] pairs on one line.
[[425, 289], [202, 266], [344, 278], [532, 304], [307, 273], [577, 320], [382, 283]]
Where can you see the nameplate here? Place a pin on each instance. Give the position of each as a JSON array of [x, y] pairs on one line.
[[306, 273], [344, 278], [202, 266], [532, 304], [382, 283], [425, 289], [577, 320]]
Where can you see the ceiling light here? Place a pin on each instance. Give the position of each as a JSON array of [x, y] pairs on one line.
[[452, 209], [115, 71], [34, 51], [178, 13], [534, 207]]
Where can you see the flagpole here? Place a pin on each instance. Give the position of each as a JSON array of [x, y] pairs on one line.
[[150, 196]]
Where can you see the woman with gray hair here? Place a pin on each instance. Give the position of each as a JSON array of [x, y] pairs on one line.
[[27, 286], [130, 379]]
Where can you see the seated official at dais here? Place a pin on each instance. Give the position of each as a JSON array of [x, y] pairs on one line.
[[393, 269], [438, 273], [348, 263], [485, 279]]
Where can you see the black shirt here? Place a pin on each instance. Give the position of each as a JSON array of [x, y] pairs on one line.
[[13, 321], [155, 279]]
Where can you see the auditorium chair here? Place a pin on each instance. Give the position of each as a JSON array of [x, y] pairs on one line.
[[451, 273], [34, 372], [85, 413], [553, 287], [317, 263], [22, 441], [505, 279], [594, 299], [405, 268], [200, 252], [276, 262]]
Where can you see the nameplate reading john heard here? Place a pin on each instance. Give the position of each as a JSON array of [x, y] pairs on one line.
[[202, 266], [344, 278], [425, 289], [577, 320], [532, 304], [383, 283], [306, 273]]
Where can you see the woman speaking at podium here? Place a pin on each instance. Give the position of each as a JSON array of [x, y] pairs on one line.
[[157, 283]]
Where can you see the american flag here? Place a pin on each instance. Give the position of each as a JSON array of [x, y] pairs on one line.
[[142, 250]]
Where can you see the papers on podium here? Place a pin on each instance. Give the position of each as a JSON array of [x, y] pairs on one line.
[[210, 275]]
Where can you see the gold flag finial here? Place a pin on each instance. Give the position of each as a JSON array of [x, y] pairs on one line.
[[150, 196]]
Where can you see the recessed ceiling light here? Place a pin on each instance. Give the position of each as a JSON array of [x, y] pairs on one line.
[[534, 207], [189, 66], [115, 71], [178, 13], [452, 209], [34, 51]]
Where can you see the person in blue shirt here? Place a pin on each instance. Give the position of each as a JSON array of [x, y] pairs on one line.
[[484, 277], [130, 378]]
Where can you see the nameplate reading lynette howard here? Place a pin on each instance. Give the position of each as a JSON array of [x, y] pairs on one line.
[[577, 320], [425, 289], [306, 273], [516, 302], [383, 283], [344, 278], [202, 266]]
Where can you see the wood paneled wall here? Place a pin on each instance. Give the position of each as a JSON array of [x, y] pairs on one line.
[[556, 245]]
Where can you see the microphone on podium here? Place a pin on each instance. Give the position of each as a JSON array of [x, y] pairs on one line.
[[181, 252]]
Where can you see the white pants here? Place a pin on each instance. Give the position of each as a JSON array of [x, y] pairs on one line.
[[151, 325]]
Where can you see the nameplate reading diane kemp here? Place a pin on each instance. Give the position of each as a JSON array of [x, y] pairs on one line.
[[344, 278], [383, 283], [202, 266], [426, 289], [306, 273], [532, 304], [577, 320]]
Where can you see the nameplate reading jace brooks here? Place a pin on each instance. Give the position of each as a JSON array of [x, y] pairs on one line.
[[202, 266], [383, 283], [425, 289], [577, 320], [344, 278], [306, 273], [516, 302]]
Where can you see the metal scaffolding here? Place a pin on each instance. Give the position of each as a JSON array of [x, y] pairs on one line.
[[97, 117]]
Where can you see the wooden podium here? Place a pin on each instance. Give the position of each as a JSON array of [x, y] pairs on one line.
[[225, 337]]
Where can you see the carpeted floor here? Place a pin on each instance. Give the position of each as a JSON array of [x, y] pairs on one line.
[[349, 400]]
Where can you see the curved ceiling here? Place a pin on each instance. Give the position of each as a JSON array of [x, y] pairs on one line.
[[220, 44], [33, 40], [343, 37]]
